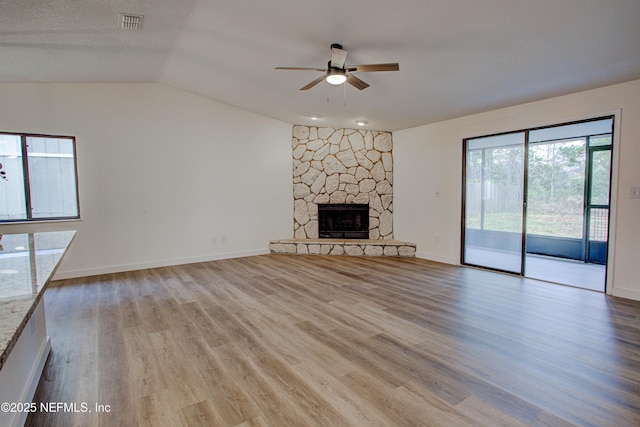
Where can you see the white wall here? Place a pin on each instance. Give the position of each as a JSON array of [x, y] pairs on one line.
[[161, 172], [428, 170]]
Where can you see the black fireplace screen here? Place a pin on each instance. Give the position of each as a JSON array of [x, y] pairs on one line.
[[343, 221]]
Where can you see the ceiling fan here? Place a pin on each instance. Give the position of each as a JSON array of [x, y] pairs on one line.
[[337, 73]]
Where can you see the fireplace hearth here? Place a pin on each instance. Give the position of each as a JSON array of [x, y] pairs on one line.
[[343, 221]]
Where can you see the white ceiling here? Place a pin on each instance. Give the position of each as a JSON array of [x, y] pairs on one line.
[[456, 57]]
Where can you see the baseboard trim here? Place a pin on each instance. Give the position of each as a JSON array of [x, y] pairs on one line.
[[437, 258], [626, 293], [72, 274]]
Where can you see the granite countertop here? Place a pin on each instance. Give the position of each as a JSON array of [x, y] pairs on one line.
[[27, 263]]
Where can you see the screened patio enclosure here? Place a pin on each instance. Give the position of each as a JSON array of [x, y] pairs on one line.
[[538, 194]]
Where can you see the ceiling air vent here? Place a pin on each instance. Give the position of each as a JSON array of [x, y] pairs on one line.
[[129, 21]]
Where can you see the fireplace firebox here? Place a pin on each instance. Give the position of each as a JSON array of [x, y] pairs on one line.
[[343, 221]]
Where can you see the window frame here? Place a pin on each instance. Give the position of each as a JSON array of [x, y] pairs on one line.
[[27, 178]]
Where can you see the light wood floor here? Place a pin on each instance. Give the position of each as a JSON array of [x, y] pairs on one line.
[[279, 340]]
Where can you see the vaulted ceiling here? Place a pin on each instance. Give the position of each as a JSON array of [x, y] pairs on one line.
[[456, 57]]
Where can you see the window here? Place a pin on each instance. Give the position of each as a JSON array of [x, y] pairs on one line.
[[40, 178]]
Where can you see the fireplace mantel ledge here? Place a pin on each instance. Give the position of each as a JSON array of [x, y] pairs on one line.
[[353, 247]]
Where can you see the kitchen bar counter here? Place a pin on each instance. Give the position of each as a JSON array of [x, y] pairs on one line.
[[27, 263]]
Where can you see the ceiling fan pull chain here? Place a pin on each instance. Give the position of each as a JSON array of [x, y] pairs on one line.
[[344, 94]]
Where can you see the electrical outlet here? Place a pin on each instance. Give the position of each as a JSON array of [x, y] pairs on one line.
[[214, 240], [635, 193], [437, 238], [224, 238]]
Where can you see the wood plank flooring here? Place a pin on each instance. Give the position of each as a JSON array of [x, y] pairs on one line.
[[277, 340]]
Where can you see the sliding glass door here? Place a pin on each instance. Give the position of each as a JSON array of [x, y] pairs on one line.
[[536, 202], [494, 200]]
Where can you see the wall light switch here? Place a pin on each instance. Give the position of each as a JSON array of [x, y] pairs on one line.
[[635, 193]]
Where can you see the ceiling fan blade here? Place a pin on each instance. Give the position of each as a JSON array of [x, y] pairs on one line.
[[356, 82], [338, 57], [374, 67], [301, 68], [313, 83]]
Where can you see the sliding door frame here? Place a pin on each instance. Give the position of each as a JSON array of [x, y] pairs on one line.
[[525, 157], [612, 185]]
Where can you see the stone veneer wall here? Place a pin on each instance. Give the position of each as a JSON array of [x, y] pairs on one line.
[[342, 166]]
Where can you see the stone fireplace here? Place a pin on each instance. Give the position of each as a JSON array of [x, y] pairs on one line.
[[336, 166], [342, 169]]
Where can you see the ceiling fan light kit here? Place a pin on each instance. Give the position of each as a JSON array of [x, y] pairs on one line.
[[338, 73], [336, 76]]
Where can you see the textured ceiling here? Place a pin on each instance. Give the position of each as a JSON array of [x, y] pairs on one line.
[[456, 56]]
